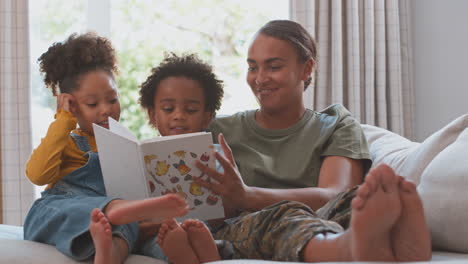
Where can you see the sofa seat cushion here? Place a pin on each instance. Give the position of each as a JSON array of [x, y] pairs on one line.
[[24, 252]]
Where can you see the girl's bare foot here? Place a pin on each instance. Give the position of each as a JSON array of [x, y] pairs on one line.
[[201, 240], [175, 244], [121, 212], [375, 210], [411, 237], [101, 232]]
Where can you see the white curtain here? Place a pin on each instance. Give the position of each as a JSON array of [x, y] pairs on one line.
[[364, 59], [17, 191]]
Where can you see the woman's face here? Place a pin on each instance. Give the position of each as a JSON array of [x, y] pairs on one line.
[[276, 75]]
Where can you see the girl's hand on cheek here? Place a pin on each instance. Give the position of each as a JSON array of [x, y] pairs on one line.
[[229, 184], [66, 102]]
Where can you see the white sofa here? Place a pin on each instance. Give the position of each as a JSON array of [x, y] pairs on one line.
[[439, 165]]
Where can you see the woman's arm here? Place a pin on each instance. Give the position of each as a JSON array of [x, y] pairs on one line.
[[337, 174]]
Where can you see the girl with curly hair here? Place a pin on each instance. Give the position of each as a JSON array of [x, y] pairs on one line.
[[74, 214]]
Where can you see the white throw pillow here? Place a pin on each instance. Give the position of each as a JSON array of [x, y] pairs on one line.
[[444, 191], [407, 158], [388, 147]]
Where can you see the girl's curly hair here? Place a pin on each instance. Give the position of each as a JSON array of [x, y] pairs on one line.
[[65, 62], [188, 66]]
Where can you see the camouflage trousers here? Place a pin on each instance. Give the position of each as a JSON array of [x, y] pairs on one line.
[[280, 232]]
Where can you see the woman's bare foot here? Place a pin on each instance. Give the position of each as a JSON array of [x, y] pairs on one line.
[[175, 244], [375, 210], [121, 212], [101, 232], [410, 235], [201, 240]]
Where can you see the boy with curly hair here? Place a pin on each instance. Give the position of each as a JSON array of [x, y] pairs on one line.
[[181, 96]]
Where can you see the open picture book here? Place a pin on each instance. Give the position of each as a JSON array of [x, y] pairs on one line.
[[154, 167]]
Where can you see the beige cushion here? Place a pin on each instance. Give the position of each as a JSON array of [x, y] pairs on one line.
[[444, 191], [388, 147], [407, 158]]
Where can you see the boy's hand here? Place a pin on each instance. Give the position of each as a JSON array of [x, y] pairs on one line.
[[229, 185], [66, 102]]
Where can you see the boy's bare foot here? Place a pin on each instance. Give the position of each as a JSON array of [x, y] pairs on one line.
[[201, 240], [121, 212], [375, 210], [175, 244], [410, 235], [101, 232]]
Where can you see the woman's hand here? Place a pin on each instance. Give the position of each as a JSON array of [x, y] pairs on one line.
[[66, 102], [229, 184]]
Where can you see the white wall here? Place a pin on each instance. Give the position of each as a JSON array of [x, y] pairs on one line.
[[440, 49]]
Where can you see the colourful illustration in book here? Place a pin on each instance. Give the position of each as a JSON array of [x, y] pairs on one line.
[[211, 199], [205, 157], [196, 189], [162, 168], [181, 167], [152, 187], [180, 182], [180, 154], [149, 158], [154, 178], [177, 191], [174, 179]]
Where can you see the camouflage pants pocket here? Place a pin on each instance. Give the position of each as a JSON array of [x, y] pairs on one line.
[[339, 208], [278, 232]]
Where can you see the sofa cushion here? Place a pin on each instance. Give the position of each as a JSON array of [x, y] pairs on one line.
[[26, 252], [388, 147], [407, 158], [443, 189]]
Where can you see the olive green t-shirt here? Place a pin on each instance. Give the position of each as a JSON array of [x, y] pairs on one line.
[[291, 157]]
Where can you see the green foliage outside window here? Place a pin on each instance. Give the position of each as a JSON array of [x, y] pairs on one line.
[[217, 30]]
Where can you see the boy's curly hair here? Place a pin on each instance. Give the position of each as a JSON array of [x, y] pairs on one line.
[[65, 62], [188, 66]]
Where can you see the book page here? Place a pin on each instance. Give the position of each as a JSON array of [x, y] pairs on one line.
[[120, 130], [170, 168], [160, 138], [121, 167]]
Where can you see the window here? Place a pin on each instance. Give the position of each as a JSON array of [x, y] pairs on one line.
[[217, 30], [50, 21], [141, 31]]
